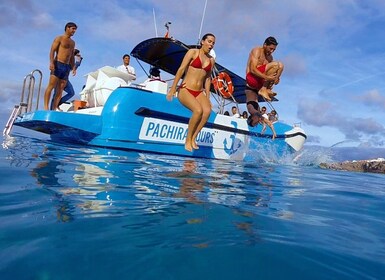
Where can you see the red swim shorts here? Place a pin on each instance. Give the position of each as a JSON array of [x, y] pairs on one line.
[[254, 81]]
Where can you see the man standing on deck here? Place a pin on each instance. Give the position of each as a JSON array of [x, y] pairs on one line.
[[126, 67], [69, 89], [262, 72], [61, 62]]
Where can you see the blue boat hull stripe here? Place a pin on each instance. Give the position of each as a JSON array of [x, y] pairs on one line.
[[147, 112]]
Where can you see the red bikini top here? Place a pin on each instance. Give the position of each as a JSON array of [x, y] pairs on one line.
[[197, 63]]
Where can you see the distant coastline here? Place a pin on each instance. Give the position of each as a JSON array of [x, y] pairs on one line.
[[372, 166]]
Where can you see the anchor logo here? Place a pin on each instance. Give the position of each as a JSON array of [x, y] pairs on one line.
[[233, 147]]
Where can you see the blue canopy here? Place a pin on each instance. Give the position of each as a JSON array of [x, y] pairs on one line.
[[167, 54]]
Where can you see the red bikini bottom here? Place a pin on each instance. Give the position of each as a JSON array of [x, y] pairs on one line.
[[194, 93]]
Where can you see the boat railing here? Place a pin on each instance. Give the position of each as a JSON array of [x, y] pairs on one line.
[[26, 100], [219, 98], [30, 78]]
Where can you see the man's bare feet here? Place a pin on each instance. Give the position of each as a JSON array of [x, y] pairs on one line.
[[264, 93], [271, 93], [195, 146]]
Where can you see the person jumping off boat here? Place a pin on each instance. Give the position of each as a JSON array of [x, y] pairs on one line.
[[194, 92], [262, 72]]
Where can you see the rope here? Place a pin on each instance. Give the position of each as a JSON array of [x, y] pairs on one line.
[[147, 74]]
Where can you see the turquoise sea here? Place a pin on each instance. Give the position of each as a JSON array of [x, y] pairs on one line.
[[70, 212]]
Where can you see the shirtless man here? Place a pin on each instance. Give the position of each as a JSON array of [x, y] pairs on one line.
[[61, 62], [262, 72]]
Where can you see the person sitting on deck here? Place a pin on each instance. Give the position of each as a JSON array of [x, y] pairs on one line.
[[234, 111], [155, 73], [154, 82], [153, 76], [257, 117], [273, 116], [264, 113]]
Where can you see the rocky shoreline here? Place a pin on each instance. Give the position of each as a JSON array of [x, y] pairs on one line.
[[373, 166]]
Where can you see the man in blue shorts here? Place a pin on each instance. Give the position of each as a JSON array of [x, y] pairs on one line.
[[68, 88], [62, 61]]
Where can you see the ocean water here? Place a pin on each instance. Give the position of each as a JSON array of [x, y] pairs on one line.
[[70, 212]]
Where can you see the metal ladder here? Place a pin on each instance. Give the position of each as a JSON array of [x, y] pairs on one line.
[[25, 106]]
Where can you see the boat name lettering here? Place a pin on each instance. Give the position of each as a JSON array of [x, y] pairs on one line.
[[166, 131], [205, 137], [161, 130]]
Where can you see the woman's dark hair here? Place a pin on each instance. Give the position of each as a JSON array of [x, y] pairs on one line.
[[205, 37]]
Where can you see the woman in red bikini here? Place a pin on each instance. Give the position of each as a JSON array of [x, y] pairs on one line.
[[194, 92]]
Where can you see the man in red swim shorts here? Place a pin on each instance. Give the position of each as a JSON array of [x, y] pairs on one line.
[[262, 72]]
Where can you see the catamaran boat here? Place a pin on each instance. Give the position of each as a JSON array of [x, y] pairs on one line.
[[115, 113]]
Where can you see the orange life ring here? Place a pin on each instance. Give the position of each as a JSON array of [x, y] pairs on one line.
[[223, 84]]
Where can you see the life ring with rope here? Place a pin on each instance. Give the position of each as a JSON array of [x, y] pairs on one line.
[[223, 84]]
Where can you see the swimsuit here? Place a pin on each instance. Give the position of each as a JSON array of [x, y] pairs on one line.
[[197, 63], [254, 82], [62, 70], [194, 93], [59, 71]]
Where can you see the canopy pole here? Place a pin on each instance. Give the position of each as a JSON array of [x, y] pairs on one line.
[[203, 16], [156, 29]]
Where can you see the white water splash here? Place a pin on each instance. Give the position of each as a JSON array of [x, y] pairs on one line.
[[308, 156]]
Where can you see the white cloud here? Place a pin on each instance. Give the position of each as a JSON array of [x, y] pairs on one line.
[[373, 98]]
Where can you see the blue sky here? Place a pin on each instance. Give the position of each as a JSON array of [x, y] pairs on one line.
[[333, 51]]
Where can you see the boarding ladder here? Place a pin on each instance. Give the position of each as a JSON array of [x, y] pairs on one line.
[[25, 105]]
